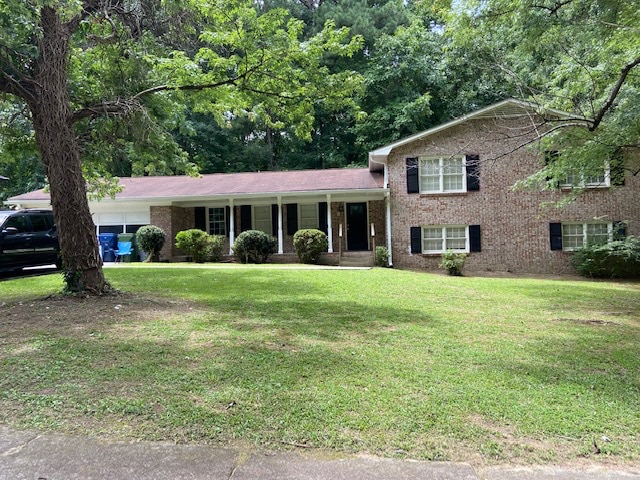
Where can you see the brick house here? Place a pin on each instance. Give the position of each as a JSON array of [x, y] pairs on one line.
[[445, 188], [344, 203], [451, 187]]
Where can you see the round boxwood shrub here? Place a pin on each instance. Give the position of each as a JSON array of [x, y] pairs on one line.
[[150, 239], [618, 259], [254, 246], [195, 243], [310, 244]]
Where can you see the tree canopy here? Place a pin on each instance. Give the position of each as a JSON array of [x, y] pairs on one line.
[[102, 80], [104, 89]]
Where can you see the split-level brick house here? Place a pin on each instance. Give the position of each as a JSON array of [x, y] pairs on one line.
[[449, 187]]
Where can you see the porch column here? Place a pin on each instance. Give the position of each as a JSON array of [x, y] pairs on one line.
[[387, 201], [329, 226], [280, 237], [232, 227]]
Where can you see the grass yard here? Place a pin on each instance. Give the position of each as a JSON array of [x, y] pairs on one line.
[[388, 362]]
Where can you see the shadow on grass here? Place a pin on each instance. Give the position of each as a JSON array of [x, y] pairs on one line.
[[277, 356]]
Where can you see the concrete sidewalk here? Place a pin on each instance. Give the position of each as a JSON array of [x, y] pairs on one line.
[[33, 456]]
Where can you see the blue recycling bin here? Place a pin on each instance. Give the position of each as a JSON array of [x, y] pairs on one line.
[[108, 243]]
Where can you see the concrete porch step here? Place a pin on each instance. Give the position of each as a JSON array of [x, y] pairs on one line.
[[357, 259]]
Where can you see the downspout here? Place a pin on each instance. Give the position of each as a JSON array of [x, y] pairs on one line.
[[387, 201]]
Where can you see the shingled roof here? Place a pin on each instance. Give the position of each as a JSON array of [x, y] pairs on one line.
[[239, 184]]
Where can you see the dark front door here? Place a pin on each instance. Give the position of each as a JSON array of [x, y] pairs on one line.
[[357, 238]]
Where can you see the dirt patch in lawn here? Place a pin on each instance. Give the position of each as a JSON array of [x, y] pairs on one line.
[[66, 314]]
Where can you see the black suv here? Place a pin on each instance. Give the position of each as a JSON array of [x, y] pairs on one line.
[[28, 238]]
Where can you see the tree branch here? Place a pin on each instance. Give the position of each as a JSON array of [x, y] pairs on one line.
[[614, 93]]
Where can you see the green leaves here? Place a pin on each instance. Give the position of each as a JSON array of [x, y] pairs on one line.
[[580, 57]]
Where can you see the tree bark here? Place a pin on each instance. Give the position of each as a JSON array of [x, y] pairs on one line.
[[60, 154]]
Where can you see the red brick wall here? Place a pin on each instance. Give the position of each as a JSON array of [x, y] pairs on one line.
[[172, 220], [514, 224]]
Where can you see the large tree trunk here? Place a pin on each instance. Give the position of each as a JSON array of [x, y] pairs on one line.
[[60, 154]]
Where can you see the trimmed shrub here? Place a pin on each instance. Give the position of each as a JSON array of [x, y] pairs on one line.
[[216, 246], [150, 239], [254, 246], [453, 262], [381, 257], [309, 244], [195, 243], [618, 259]]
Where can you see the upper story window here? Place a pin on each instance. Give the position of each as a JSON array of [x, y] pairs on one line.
[[308, 215], [443, 174], [217, 221], [588, 181]]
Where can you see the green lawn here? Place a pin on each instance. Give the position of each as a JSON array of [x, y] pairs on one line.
[[389, 362]]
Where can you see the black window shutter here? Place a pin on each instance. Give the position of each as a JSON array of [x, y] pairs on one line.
[[416, 240], [413, 182], [274, 219], [227, 219], [619, 230], [201, 218], [616, 169], [551, 156], [473, 173], [475, 244], [555, 236], [322, 217], [236, 223], [245, 218], [292, 218]]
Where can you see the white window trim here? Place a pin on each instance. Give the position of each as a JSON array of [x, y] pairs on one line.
[[253, 218], [443, 237], [224, 219], [441, 189], [585, 237], [317, 225]]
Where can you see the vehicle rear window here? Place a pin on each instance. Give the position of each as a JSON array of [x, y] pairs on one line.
[[40, 223]]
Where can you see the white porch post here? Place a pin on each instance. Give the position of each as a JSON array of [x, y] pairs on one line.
[[280, 236], [329, 224], [387, 201], [232, 227]]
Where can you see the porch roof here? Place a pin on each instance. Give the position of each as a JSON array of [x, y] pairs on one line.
[[220, 185]]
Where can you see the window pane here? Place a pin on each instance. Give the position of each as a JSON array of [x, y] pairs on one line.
[[39, 223], [308, 216], [262, 218], [432, 239], [452, 166], [456, 238], [452, 182], [597, 233], [217, 224], [572, 236]]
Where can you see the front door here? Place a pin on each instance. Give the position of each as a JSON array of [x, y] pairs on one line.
[[357, 238]]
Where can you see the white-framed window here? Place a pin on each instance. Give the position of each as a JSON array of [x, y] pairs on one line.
[[217, 221], [308, 215], [262, 218], [442, 174], [588, 181], [577, 235], [440, 238]]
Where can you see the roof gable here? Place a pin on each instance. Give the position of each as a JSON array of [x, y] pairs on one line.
[[504, 109]]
